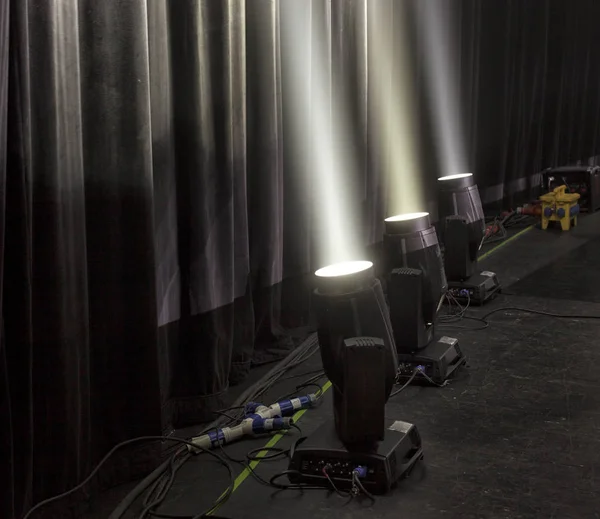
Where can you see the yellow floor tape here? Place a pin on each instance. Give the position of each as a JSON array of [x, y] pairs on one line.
[[271, 443], [508, 240]]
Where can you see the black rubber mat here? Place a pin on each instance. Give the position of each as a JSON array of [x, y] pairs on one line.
[[514, 435], [574, 276]]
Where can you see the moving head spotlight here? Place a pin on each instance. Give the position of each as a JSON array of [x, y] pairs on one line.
[[357, 348], [462, 229], [359, 358], [411, 243], [416, 289]]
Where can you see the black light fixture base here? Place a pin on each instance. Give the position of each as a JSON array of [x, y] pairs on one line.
[[476, 290], [382, 464], [439, 361]]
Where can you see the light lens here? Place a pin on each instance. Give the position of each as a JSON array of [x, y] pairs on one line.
[[406, 217], [343, 269], [454, 177]]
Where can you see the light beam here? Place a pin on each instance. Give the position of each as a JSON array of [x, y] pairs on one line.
[[320, 120], [443, 84], [395, 122]]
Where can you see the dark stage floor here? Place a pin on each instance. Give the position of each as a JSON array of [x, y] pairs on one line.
[[515, 435]]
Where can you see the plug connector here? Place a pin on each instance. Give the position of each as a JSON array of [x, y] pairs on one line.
[[360, 471]]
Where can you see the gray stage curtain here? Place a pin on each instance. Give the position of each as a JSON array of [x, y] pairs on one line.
[[157, 197], [528, 87], [7, 448]]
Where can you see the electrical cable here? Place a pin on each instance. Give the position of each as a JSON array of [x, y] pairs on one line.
[[296, 357], [433, 382], [306, 355], [300, 375], [247, 465], [449, 320], [419, 371], [288, 452], [454, 316], [497, 231], [252, 458], [117, 447], [304, 385], [278, 452], [225, 414], [519, 219], [165, 485], [157, 488], [141, 487], [164, 482], [406, 384], [356, 480], [281, 486], [274, 376], [168, 479], [485, 324], [333, 485], [538, 312]]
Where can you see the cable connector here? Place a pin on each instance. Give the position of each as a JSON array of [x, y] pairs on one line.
[[261, 426], [251, 407], [360, 471]]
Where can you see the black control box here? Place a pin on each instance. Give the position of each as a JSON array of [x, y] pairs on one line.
[[380, 465], [584, 180], [439, 361], [477, 290]]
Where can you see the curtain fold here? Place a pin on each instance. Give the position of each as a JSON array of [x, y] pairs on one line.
[[10, 481], [162, 189], [81, 326]]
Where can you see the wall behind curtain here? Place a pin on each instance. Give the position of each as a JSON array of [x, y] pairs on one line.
[[158, 203]]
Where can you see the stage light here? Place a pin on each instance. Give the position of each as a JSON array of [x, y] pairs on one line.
[[411, 242], [359, 447], [461, 230], [458, 196], [343, 269], [416, 286], [349, 303]]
